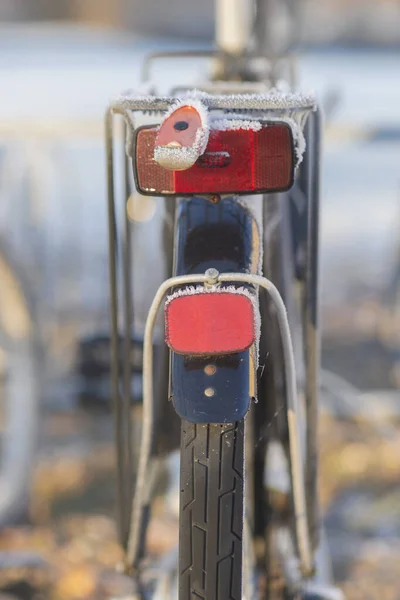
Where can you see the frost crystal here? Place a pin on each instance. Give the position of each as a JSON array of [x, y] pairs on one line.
[[298, 137], [179, 159], [175, 159], [272, 100], [276, 104], [235, 124], [191, 290], [254, 125], [192, 101]]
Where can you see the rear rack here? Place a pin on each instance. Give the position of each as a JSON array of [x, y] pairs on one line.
[[271, 105], [274, 104], [272, 100]]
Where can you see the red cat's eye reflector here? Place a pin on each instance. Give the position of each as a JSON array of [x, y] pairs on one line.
[[241, 161], [210, 323]]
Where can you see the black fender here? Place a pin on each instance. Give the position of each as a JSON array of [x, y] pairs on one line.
[[224, 236]]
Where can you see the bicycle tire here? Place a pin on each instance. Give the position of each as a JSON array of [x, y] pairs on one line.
[[20, 385], [211, 511]]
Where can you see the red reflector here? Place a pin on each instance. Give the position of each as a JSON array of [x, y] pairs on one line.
[[209, 323], [235, 161]]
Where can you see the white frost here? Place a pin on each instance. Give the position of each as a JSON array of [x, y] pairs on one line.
[[274, 99], [191, 290], [175, 159], [235, 124], [279, 105], [179, 159], [201, 140], [271, 100], [254, 125], [192, 101], [298, 138]]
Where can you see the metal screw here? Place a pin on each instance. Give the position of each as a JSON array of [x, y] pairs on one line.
[[210, 369], [209, 392], [212, 276]]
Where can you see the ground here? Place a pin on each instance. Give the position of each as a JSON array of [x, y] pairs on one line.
[[69, 538]]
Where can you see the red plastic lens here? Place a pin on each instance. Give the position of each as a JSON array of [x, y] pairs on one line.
[[235, 161], [209, 323]]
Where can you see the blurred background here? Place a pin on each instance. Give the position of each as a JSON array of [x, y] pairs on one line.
[[60, 62]]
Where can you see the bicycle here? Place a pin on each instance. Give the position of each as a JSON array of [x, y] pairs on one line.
[[243, 259]]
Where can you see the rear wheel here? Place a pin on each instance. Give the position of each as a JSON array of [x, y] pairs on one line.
[[211, 511], [20, 353]]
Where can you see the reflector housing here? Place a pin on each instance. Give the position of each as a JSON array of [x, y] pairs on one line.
[[210, 323], [241, 161]]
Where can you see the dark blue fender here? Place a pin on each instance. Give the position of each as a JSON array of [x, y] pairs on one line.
[[224, 236]]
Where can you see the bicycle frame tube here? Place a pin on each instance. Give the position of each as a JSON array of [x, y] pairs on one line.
[[234, 20]]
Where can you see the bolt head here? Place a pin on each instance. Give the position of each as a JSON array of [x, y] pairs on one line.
[[212, 275], [210, 369]]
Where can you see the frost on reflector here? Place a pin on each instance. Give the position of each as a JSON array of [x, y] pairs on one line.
[[182, 136]]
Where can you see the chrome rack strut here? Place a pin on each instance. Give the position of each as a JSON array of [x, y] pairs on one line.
[[297, 466], [121, 401], [310, 303], [128, 323]]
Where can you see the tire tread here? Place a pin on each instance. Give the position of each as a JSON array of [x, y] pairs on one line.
[[211, 514]]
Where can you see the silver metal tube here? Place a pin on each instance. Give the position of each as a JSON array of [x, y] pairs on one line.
[[128, 320], [267, 101], [233, 25], [310, 320], [137, 520], [115, 393], [297, 469]]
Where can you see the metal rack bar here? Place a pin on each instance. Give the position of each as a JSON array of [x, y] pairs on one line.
[[310, 320], [122, 521], [128, 333], [268, 101]]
